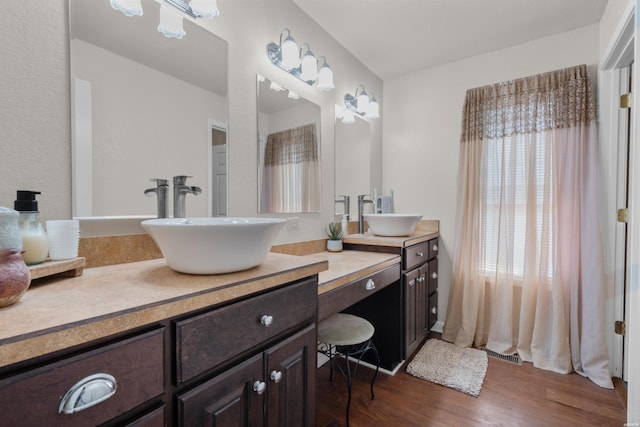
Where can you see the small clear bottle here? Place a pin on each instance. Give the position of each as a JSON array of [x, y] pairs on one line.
[[34, 240]]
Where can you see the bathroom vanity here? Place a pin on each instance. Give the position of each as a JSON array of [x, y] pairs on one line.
[[172, 349], [416, 293]]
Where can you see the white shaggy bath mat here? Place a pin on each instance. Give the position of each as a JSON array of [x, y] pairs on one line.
[[462, 369]]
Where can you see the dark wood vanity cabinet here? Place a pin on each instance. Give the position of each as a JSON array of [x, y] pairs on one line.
[[420, 288], [274, 384], [247, 362]]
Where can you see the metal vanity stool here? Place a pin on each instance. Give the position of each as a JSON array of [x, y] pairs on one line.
[[350, 336]]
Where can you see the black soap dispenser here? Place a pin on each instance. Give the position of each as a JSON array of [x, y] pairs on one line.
[[34, 240]]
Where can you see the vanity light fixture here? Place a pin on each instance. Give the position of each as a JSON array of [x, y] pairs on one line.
[[170, 21], [300, 63], [360, 103]]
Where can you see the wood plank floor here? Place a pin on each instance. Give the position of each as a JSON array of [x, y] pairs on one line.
[[511, 396]]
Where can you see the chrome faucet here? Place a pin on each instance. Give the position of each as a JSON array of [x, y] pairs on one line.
[[180, 191], [160, 190], [362, 200], [346, 201]]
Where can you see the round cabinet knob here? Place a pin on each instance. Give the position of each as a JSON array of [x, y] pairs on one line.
[[275, 376], [266, 320], [371, 285], [420, 254], [412, 282], [434, 310], [434, 275], [435, 248], [259, 387]]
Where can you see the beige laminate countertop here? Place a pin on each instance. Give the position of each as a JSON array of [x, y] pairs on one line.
[[55, 314], [369, 238], [59, 313]]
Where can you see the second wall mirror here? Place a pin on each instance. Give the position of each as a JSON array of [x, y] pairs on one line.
[[288, 150]]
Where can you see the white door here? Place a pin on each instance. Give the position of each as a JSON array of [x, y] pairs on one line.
[[219, 180]]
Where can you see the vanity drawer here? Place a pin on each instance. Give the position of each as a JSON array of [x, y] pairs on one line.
[[205, 341], [136, 364], [433, 248], [415, 255], [345, 296]]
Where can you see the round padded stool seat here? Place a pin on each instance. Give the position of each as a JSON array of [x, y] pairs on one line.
[[345, 329]]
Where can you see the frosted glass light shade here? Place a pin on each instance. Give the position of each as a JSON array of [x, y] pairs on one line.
[[289, 50], [348, 117], [128, 7], [205, 8], [325, 78], [362, 103], [309, 70], [171, 23], [373, 110]]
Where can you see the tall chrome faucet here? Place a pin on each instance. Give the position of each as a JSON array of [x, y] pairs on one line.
[[160, 190], [180, 191], [362, 201], [345, 200]]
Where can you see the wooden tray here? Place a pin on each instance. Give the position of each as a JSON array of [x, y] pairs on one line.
[[66, 268]]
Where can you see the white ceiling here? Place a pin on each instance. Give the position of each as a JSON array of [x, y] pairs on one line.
[[395, 37]]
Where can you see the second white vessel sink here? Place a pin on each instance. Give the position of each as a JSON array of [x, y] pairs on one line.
[[214, 245], [395, 224]]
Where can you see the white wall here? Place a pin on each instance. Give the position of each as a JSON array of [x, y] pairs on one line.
[[34, 101], [423, 113]]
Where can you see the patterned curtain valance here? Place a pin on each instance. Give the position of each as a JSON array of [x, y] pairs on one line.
[[292, 146], [558, 99]]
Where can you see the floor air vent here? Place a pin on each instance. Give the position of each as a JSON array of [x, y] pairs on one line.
[[515, 359]]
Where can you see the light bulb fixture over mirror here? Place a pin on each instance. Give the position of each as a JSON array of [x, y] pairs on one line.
[[300, 63], [362, 103], [171, 22]]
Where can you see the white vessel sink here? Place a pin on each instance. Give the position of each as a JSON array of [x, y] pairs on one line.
[[213, 245], [392, 224]]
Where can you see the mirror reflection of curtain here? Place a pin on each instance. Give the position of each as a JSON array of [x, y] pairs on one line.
[[291, 173]]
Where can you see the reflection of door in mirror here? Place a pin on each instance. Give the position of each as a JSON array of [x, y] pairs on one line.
[[142, 107], [218, 171], [289, 151], [352, 162]]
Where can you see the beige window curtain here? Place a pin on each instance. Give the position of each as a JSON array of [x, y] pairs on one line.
[[528, 265], [291, 174]]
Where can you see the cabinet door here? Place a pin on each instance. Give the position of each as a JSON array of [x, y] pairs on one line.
[[432, 276], [291, 380], [411, 285], [422, 296], [233, 398]]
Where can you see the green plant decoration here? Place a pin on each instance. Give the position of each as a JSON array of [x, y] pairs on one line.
[[335, 231]]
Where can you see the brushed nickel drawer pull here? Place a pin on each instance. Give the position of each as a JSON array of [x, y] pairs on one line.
[[275, 376], [88, 392], [266, 320], [371, 285], [259, 387], [412, 282], [420, 254]]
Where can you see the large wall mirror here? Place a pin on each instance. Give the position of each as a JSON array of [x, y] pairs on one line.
[[288, 150], [143, 107], [352, 163]]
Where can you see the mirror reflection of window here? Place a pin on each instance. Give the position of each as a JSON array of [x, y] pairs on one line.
[[289, 151]]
